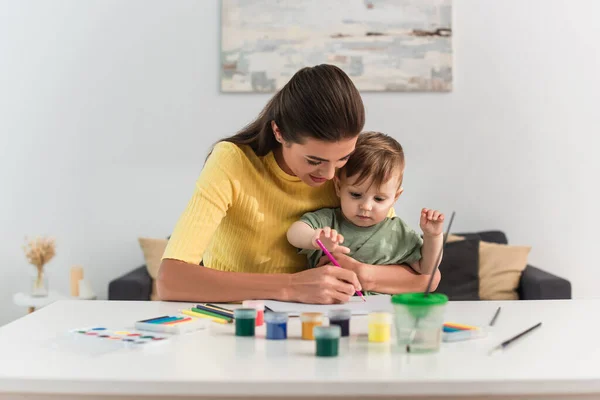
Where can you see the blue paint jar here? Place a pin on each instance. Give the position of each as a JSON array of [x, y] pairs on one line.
[[276, 325]]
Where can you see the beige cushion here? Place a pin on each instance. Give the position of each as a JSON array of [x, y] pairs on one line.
[[454, 238], [153, 250], [500, 268]]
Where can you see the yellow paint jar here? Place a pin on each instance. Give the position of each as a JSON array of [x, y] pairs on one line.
[[309, 321], [380, 327]]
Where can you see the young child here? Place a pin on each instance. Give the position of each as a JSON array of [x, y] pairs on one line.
[[368, 186]]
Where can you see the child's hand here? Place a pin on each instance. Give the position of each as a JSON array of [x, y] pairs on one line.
[[432, 222], [330, 239]]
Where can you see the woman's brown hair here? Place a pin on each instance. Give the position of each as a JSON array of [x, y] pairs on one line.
[[318, 102]]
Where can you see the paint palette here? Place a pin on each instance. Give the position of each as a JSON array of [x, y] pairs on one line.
[[119, 337]]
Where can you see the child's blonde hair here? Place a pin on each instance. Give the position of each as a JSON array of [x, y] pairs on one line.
[[377, 157]]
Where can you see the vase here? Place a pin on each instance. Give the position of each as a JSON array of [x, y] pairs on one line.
[[39, 286]]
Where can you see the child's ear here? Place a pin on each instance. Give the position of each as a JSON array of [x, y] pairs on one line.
[[336, 184], [399, 192]]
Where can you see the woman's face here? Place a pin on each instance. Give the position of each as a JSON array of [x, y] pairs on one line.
[[314, 161]]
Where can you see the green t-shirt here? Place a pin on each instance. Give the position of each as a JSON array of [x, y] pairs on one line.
[[389, 242]]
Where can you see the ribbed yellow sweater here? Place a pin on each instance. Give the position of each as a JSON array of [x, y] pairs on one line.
[[240, 211]]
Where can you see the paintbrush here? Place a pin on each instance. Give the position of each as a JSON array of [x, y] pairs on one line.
[[439, 260]]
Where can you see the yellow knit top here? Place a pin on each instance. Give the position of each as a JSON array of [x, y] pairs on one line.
[[240, 211]]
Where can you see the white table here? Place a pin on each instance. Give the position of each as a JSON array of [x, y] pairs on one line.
[[559, 360]]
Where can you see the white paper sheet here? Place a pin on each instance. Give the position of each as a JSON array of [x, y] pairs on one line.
[[356, 305]]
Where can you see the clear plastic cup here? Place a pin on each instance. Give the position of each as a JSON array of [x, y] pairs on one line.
[[419, 321]]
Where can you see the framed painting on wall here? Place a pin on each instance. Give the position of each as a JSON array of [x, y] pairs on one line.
[[383, 45]]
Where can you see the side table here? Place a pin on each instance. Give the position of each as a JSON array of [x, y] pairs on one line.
[[26, 300]]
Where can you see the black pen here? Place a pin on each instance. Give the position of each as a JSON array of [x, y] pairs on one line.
[[508, 342]]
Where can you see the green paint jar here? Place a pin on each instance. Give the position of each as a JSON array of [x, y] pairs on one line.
[[245, 321], [327, 339]]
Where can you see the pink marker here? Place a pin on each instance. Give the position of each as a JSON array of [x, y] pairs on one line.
[[334, 262]]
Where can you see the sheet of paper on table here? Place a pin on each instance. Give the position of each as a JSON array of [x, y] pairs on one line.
[[356, 305]]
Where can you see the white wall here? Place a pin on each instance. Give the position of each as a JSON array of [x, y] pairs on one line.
[[107, 108]]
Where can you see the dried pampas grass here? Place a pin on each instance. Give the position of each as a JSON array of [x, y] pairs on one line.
[[39, 252]]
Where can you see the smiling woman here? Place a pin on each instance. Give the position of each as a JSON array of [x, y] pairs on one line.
[[299, 159], [254, 185]]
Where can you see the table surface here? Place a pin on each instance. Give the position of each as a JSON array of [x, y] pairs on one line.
[[561, 357]]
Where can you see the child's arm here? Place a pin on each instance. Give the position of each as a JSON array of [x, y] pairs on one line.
[[432, 224], [302, 236]]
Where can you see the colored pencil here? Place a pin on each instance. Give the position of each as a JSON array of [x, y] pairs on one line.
[[460, 326], [217, 307], [334, 262], [228, 314], [154, 319], [178, 321], [162, 320], [211, 314], [197, 315]]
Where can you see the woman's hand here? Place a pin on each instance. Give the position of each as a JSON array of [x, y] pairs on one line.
[[349, 263], [323, 285]]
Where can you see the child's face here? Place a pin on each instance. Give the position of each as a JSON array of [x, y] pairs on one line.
[[365, 204]]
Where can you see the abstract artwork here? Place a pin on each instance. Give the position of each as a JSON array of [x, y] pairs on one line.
[[383, 45]]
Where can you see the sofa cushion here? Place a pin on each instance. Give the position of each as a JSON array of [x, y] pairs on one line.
[[460, 269], [500, 269], [153, 250]]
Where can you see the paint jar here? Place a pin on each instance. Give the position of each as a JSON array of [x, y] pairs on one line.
[[380, 327], [342, 319], [419, 321], [309, 321], [276, 325], [259, 306], [245, 321], [328, 340]]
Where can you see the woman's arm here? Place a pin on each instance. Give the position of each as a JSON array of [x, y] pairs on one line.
[[394, 279], [180, 281], [389, 279]]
